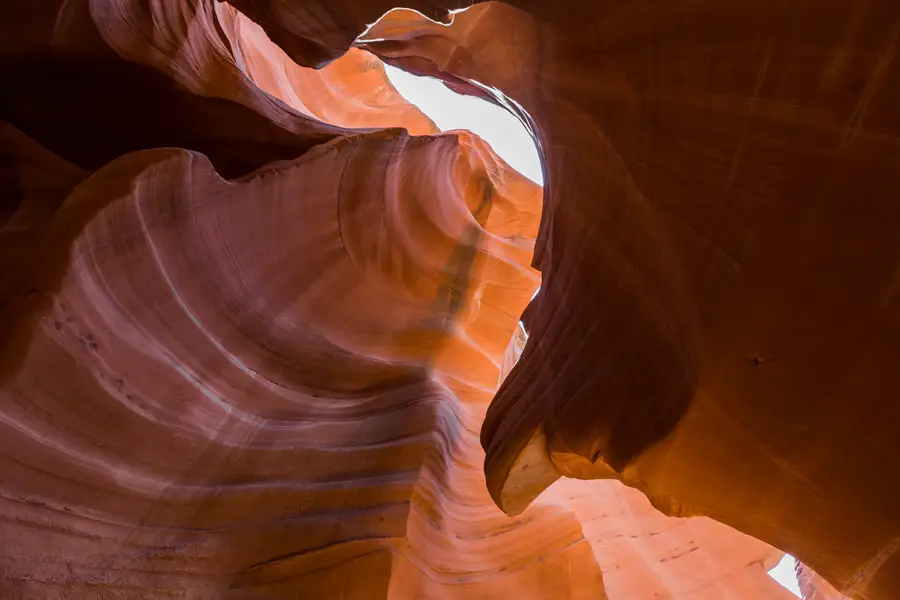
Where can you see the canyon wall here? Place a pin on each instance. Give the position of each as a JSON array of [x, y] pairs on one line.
[[260, 326]]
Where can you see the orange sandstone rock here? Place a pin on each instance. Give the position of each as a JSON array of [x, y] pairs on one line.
[[251, 329], [716, 235]]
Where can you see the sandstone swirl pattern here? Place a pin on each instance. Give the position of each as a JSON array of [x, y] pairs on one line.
[[255, 315]]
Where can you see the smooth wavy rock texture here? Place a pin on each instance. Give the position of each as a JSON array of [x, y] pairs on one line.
[[717, 321], [260, 319]]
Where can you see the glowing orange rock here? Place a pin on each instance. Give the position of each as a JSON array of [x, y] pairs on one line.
[[704, 257], [251, 328]]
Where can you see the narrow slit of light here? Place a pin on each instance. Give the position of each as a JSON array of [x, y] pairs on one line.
[[505, 133], [785, 573]]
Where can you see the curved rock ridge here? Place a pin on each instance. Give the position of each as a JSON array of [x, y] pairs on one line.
[[268, 385], [218, 424], [239, 410], [352, 92], [251, 328], [646, 554], [718, 249]]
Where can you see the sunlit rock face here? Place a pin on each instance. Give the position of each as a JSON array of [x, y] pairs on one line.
[[255, 315], [705, 252]]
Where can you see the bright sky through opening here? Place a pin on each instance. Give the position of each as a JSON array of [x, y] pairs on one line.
[[449, 110], [511, 141], [785, 574]]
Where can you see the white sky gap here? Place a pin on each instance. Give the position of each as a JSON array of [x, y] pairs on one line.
[[449, 110]]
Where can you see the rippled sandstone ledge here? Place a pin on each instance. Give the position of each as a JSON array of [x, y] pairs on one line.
[[248, 349]]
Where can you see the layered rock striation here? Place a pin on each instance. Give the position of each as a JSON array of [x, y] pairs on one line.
[[256, 309]]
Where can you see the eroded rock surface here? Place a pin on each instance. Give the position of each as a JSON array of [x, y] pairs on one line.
[[255, 315]]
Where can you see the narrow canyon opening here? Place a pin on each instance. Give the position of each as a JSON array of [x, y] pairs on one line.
[[785, 573], [452, 111], [513, 143], [263, 296], [503, 131]]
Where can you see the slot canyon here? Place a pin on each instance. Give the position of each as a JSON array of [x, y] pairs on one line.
[[267, 332]]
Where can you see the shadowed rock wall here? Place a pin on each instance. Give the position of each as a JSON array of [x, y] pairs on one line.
[[255, 315]]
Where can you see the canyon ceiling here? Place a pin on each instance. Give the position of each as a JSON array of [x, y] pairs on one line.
[[260, 317]]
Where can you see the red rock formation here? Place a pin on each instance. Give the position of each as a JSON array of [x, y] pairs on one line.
[[813, 587], [645, 554], [718, 184], [249, 338]]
